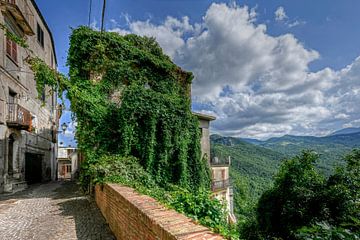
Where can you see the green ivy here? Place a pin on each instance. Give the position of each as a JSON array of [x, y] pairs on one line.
[[14, 37], [45, 76]]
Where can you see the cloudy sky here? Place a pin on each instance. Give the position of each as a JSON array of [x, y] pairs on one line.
[[263, 68]]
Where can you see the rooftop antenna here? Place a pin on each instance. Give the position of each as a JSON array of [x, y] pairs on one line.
[[103, 16]]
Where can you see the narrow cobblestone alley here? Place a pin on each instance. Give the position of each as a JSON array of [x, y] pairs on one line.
[[51, 211]]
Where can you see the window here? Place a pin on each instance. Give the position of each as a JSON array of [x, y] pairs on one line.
[[12, 96], [11, 153], [11, 46], [43, 94], [223, 174], [52, 61], [40, 35], [11, 49]]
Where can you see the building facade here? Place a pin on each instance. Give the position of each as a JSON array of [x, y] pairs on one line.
[[68, 160], [28, 123], [219, 165]]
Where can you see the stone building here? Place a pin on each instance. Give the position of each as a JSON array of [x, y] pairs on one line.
[[28, 123], [219, 165], [69, 160]]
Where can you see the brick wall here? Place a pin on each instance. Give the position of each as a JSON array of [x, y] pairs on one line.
[[132, 216]]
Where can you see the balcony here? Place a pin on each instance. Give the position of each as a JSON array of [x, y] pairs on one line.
[[220, 185], [21, 12], [18, 117]]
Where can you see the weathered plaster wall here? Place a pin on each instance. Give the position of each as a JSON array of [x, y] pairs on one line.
[[17, 77]]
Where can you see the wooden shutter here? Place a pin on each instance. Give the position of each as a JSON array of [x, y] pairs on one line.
[[11, 49], [8, 46], [14, 51]]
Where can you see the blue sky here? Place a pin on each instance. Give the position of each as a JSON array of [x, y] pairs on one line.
[[264, 68]]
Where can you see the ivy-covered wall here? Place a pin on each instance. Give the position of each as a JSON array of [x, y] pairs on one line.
[[130, 99]]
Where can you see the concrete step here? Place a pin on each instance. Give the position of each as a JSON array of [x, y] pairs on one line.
[[15, 186], [19, 186]]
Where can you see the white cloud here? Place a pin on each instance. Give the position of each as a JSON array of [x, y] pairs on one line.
[[256, 84], [295, 23], [169, 34], [280, 14]]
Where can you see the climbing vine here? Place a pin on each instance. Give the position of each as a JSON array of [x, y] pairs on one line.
[[45, 76], [20, 41]]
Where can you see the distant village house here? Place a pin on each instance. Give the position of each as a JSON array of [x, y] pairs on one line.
[[219, 165]]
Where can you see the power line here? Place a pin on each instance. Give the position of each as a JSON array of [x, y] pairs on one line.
[[103, 16], [90, 8]]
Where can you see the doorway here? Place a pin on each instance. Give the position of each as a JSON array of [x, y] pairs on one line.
[[11, 154], [33, 168]]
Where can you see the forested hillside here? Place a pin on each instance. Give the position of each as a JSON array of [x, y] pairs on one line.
[[331, 148], [254, 162]]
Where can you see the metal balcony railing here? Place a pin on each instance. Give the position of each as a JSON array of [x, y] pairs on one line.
[[18, 117], [21, 12], [218, 185]]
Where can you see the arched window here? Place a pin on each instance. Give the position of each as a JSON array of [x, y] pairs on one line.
[[11, 154]]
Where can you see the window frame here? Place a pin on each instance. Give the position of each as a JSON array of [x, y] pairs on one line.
[[14, 52], [11, 50], [40, 35]]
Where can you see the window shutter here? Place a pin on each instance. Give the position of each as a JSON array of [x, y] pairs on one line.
[[14, 51], [8, 46], [11, 49]]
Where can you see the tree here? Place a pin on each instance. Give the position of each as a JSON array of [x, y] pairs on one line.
[[293, 201], [342, 194], [303, 204]]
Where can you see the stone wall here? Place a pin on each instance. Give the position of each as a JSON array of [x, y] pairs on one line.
[[132, 216]]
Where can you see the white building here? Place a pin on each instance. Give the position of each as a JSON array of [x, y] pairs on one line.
[[220, 184], [69, 160]]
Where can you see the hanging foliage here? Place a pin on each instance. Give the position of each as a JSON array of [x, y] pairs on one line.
[[45, 76]]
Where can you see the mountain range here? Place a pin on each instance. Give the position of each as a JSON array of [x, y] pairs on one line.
[[255, 162]]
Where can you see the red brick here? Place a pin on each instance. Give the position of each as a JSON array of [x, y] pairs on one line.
[[132, 216]]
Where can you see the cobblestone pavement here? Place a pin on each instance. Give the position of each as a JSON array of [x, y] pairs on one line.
[[51, 211]]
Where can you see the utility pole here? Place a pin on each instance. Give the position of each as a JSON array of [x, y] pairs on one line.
[[90, 13], [103, 16]]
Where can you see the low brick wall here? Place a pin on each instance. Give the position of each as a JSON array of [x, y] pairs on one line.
[[132, 216]]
